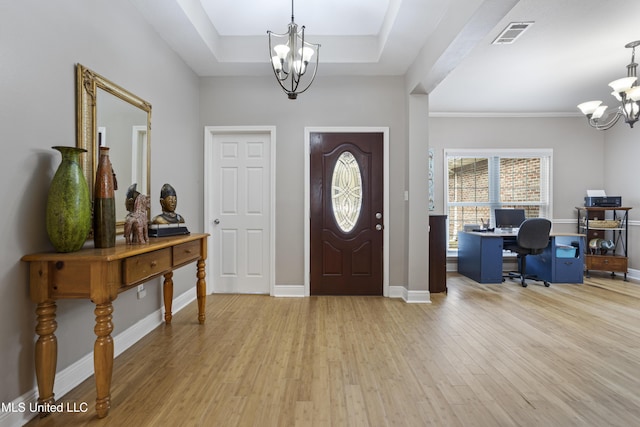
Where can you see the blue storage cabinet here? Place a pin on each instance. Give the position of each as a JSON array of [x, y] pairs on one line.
[[480, 256], [561, 262]]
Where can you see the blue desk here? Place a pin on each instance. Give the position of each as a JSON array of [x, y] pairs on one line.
[[480, 257]]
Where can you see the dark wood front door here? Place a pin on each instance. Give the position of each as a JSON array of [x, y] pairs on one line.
[[346, 213]]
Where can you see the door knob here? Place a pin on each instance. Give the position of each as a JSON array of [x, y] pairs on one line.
[[378, 215], [378, 227], [216, 221]]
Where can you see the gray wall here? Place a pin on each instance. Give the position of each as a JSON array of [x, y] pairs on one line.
[[578, 158], [40, 43], [347, 101]]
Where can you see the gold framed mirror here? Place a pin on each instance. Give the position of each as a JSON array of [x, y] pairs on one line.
[[110, 115]]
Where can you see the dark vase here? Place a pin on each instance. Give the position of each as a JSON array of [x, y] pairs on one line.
[[104, 206], [68, 203]]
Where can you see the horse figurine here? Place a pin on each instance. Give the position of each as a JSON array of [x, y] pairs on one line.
[[135, 224]]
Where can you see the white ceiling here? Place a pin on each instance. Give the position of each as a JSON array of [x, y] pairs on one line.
[[443, 47]]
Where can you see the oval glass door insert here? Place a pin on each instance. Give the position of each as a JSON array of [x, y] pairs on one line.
[[346, 191]]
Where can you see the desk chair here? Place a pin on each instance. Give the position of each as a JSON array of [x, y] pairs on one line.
[[533, 237]]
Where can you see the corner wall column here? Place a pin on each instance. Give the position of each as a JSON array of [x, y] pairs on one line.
[[418, 204]]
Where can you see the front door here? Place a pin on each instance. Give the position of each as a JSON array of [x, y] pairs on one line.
[[346, 213]]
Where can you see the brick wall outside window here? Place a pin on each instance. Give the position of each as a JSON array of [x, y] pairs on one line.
[[469, 182]]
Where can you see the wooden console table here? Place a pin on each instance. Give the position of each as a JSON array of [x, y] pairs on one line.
[[100, 275]]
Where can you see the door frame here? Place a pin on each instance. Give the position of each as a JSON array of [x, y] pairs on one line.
[[307, 199], [210, 133]]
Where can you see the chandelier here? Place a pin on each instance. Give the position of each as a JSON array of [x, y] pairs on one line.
[[290, 58], [626, 91]]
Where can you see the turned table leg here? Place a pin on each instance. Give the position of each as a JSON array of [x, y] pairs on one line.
[[103, 357], [201, 289], [168, 297], [46, 352]]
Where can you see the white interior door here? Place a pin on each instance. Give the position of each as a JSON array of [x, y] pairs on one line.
[[240, 211]]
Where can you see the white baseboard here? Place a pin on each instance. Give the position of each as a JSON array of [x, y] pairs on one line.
[[409, 296], [17, 412], [397, 291], [417, 297], [394, 292], [288, 291], [632, 275]]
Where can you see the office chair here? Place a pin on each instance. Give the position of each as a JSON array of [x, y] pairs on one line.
[[533, 237]]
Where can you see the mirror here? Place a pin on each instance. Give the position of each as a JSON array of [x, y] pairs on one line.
[[114, 117]]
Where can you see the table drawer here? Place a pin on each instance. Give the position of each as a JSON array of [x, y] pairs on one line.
[[144, 266], [186, 252], [607, 263]]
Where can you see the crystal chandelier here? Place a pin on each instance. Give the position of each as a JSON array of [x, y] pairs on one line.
[[626, 91], [291, 57]]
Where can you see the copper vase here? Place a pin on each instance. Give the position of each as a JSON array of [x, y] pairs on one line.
[[104, 206]]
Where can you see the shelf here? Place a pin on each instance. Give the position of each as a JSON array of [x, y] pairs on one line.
[[602, 228], [611, 259]]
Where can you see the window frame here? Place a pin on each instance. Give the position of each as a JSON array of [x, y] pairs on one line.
[[546, 162]]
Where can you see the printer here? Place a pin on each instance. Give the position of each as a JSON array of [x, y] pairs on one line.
[[603, 201]]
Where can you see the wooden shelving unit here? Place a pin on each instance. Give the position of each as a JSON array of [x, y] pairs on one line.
[[608, 224]]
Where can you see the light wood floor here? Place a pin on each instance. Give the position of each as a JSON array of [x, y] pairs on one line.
[[483, 355]]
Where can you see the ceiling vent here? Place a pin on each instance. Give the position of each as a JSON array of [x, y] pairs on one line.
[[512, 32]]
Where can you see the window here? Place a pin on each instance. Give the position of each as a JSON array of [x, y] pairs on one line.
[[346, 191], [479, 181]]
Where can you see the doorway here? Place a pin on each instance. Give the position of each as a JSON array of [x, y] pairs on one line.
[[346, 238], [240, 209]]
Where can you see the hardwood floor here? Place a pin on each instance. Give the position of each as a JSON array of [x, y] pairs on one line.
[[481, 355]]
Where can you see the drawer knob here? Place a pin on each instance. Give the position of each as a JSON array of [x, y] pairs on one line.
[[154, 263], [188, 251]]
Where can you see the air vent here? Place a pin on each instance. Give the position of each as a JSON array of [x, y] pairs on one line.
[[512, 32]]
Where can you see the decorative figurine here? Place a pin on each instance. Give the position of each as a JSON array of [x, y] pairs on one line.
[[168, 223], [132, 193], [168, 201], [135, 224]]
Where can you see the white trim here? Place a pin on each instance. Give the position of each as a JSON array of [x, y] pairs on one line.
[[632, 274], [139, 145], [209, 133], [501, 152], [18, 417], [411, 297], [416, 297], [397, 291], [72, 376], [288, 291], [307, 207], [454, 114]]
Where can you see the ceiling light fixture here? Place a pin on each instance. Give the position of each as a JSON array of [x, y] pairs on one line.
[[292, 57], [626, 91]]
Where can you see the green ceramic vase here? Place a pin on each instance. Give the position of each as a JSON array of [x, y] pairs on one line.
[[68, 203]]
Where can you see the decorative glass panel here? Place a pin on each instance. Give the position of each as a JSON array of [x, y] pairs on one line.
[[346, 191]]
